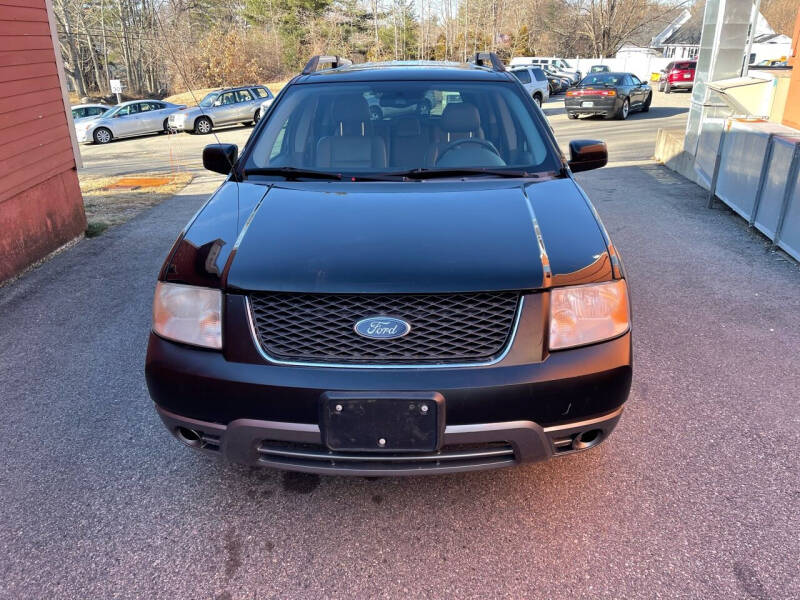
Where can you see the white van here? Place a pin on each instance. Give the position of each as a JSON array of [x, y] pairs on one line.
[[558, 64]]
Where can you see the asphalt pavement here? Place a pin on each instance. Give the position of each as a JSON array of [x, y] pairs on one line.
[[695, 495]]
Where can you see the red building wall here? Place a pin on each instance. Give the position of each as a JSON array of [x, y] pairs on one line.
[[41, 207]]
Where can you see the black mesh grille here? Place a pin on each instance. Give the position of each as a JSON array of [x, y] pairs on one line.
[[444, 327]]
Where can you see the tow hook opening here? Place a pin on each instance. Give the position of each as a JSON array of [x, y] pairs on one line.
[[587, 439], [190, 437]]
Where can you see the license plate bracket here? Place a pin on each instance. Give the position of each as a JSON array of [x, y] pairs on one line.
[[587, 103], [382, 421]]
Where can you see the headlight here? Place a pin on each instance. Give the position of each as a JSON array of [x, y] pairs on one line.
[[188, 314], [586, 314]]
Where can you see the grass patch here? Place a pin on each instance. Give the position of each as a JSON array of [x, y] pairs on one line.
[[95, 228], [109, 201]]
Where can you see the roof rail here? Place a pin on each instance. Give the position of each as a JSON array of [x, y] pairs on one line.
[[334, 61], [482, 58]]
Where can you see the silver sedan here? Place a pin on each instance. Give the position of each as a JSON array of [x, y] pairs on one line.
[[137, 117]]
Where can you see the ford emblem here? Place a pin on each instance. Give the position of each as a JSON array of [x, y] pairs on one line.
[[382, 328]]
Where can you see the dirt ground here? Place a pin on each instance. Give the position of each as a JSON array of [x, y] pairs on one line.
[[109, 201]]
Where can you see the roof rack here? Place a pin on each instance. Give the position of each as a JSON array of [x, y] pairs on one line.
[[334, 61], [489, 59]]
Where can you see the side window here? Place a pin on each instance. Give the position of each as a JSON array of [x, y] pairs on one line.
[[156, 105], [636, 80], [262, 92], [523, 75], [226, 98], [144, 106], [627, 80], [539, 75], [96, 110], [126, 110], [77, 113], [244, 96]]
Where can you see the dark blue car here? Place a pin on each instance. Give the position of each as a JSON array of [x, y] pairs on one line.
[[425, 292]]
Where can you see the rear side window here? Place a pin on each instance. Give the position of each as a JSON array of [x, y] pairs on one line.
[[261, 92], [244, 95], [539, 75], [522, 75]]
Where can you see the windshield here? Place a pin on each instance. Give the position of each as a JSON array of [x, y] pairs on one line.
[[394, 126], [209, 99], [607, 79]]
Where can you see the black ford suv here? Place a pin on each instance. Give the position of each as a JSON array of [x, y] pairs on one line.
[[425, 292]]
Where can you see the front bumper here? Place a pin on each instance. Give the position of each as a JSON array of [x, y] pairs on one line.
[[299, 447], [83, 136], [178, 124]]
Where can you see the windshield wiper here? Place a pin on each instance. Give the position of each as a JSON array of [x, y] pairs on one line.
[[293, 173], [434, 173]]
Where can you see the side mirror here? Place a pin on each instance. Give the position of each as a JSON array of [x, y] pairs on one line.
[[220, 158], [585, 155]]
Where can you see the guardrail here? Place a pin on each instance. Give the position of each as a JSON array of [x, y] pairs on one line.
[[757, 174]]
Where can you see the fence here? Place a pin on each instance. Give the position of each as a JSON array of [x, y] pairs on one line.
[[757, 173], [640, 64]]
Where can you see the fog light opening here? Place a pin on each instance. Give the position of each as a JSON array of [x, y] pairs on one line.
[[190, 437], [587, 439]]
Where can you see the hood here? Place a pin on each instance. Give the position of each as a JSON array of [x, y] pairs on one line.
[[415, 237], [193, 111]]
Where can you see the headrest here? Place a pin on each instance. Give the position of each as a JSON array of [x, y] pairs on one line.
[[407, 127], [461, 117], [352, 111]]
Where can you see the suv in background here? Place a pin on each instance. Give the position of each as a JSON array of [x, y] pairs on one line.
[[223, 107], [425, 293], [558, 65], [535, 82], [677, 75]]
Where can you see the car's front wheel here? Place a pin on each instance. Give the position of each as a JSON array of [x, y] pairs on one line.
[[572, 115], [102, 135], [624, 110], [646, 105], [203, 126]]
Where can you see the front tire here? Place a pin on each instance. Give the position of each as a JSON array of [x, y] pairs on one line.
[[624, 110], [203, 126], [646, 105], [102, 135], [572, 115]]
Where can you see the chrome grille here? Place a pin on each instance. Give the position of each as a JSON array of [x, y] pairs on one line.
[[445, 328]]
